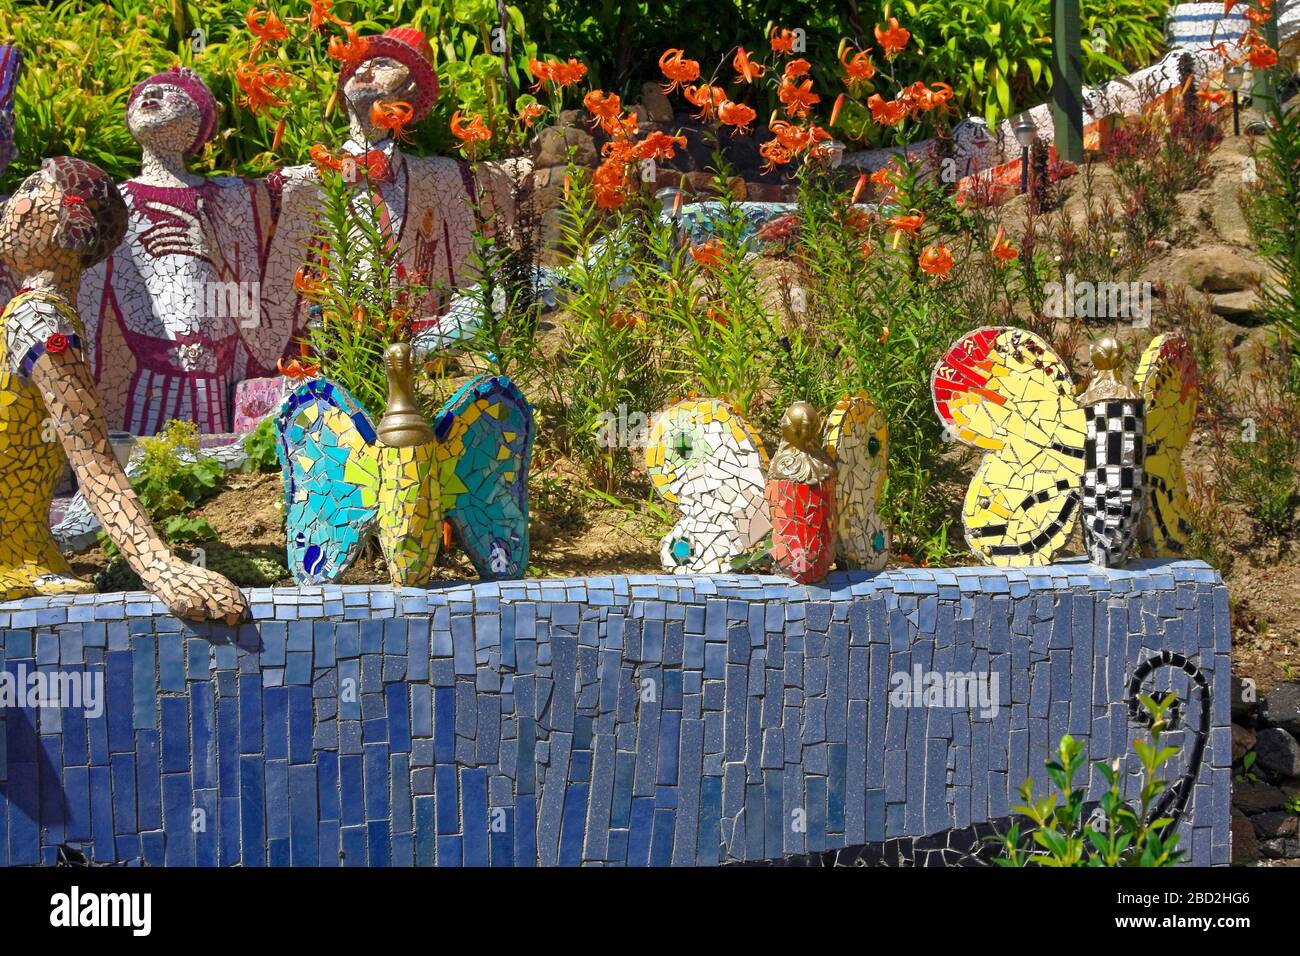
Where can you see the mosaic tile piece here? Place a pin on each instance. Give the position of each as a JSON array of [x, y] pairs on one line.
[[1112, 480], [857, 440], [1168, 383], [705, 458]]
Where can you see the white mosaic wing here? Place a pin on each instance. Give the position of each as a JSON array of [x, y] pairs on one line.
[[703, 456], [857, 439]]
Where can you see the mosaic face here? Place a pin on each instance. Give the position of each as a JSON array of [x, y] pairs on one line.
[[1003, 390], [164, 117], [378, 78]]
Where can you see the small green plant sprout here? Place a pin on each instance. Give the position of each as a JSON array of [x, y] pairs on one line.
[[1113, 832], [1292, 804], [259, 446], [1247, 774]]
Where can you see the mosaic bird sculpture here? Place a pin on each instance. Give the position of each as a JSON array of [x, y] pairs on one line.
[[705, 458], [1049, 456], [345, 479]]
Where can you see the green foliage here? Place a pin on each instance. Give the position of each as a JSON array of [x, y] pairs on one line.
[[1263, 477], [1120, 835], [1271, 212], [173, 478], [259, 445]]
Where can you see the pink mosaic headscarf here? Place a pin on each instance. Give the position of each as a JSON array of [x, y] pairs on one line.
[[189, 81]]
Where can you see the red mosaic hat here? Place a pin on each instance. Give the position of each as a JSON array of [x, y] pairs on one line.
[[407, 46]]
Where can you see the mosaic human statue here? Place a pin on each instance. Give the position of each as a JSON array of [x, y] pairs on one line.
[[174, 315], [703, 456], [424, 203], [11, 65], [345, 478], [1050, 456], [64, 218]]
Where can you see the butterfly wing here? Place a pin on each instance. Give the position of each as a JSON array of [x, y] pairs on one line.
[[330, 465], [703, 456], [1003, 390], [857, 439], [1169, 385], [485, 442]]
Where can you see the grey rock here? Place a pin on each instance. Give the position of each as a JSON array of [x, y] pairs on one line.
[[656, 104], [1245, 845], [1282, 707], [1243, 739], [1275, 824], [1256, 797], [1281, 849], [1240, 307], [1278, 752]]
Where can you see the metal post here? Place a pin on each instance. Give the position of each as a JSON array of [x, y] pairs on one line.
[[1067, 81]]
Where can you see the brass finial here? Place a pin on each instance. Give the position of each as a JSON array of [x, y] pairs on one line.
[[402, 425], [1107, 358], [801, 456]]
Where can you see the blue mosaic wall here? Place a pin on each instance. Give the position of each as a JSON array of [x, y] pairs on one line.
[[631, 720]]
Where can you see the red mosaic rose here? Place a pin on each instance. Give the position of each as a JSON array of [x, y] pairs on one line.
[[56, 343]]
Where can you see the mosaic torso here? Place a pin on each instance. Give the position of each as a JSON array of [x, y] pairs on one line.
[[170, 310], [31, 458], [425, 208]]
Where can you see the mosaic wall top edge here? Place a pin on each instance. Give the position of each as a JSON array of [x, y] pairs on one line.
[[1139, 575]]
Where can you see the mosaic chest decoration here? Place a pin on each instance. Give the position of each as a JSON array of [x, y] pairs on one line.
[[1112, 454], [704, 457], [346, 479]]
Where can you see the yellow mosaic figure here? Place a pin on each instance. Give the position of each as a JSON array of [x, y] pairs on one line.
[[31, 459]]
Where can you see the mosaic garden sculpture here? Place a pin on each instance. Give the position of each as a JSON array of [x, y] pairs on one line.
[[705, 458], [64, 218], [173, 316], [1112, 454], [800, 497], [424, 203], [345, 478], [11, 66]]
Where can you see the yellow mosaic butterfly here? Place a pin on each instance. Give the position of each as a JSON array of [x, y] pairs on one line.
[[1005, 391]]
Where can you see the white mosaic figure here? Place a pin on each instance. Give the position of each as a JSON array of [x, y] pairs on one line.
[[173, 314], [424, 203]]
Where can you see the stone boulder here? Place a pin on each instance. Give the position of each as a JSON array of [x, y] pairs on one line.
[[1282, 707], [1278, 752]]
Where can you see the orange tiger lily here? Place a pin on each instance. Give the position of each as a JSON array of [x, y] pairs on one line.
[[320, 15], [893, 39], [392, 116], [265, 26], [783, 42], [324, 159], [659, 145], [797, 99], [257, 84], [306, 284], [797, 68], [886, 112], [936, 260], [736, 114], [469, 133], [1003, 251], [707, 98], [909, 224], [857, 69], [708, 254], [349, 49], [560, 74], [530, 113], [774, 155], [678, 69], [605, 107], [746, 69]]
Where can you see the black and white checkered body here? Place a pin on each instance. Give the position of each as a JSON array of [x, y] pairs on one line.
[[1112, 479]]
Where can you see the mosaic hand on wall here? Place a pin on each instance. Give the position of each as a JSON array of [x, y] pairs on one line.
[[1050, 456], [66, 217], [174, 314], [703, 456], [424, 203], [345, 479]]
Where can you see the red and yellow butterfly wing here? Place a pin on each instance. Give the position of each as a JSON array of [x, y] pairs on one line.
[[1005, 391]]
